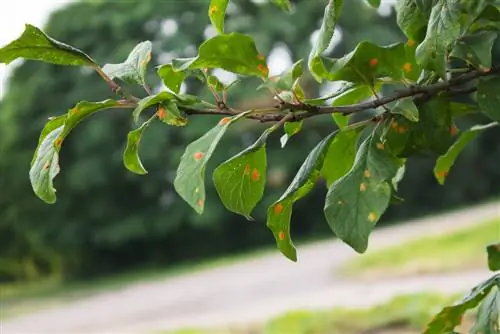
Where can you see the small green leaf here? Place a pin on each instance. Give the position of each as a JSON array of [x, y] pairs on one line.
[[451, 316], [131, 158], [488, 98], [374, 3], [134, 68], [151, 101], [286, 80], [233, 52], [446, 161], [172, 79], [340, 156], [34, 44], [216, 12], [284, 5], [352, 96], [190, 179], [169, 113], [291, 129], [355, 202], [214, 83], [240, 181], [488, 315], [407, 108], [280, 212], [476, 49], [330, 18], [493, 257]]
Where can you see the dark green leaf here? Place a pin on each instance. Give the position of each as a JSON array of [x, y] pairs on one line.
[[240, 181], [190, 179], [234, 52], [340, 156], [291, 129], [280, 212], [330, 18], [134, 68], [451, 316], [131, 158], [356, 201], [476, 49], [216, 12], [488, 315], [374, 3], [412, 19], [285, 5], [461, 109], [151, 101], [407, 108], [169, 113], [172, 79], [33, 44], [446, 161], [488, 98], [493, 257]]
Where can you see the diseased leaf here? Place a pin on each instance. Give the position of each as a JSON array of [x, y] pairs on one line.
[[34, 44], [493, 256], [340, 156], [284, 5], [451, 316], [83, 110], [240, 181], [151, 101], [488, 314], [172, 79], [488, 98], [169, 113], [476, 49], [216, 12], [355, 202], [330, 17], [51, 125], [407, 108], [134, 68], [190, 179], [291, 129], [280, 212], [233, 52], [131, 158], [446, 161]]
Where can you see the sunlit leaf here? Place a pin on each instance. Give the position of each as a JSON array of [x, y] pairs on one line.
[[233, 52], [488, 314], [280, 212], [356, 201], [172, 79], [216, 12], [169, 113], [151, 101], [134, 67], [446, 161], [240, 181], [488, 98], [493, 256], [407, 108], [291, 129], [476, 49], [131, 158], [34, 44], [190, 179]]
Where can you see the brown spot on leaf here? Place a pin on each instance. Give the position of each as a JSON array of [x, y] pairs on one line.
[[246, 171], [372, 217], [46, 166], [58, 142], [410, 43], [407, 67], [263, 69], [367, 173], [394, 124], [224, 121], [198, 155], [278, 209], [255, 175], [362, 187], [373, 62], [402, 129], [380, 146], [161, 113], [260, 57], [212, 10], [453, 130], [200, 202], [442, 174], [281, 235]]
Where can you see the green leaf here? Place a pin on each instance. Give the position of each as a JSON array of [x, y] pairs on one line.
[[134, 68], [488, 98], [51, 125], [374, 3], [280, 212], [488, 315], [407, 108], [330, 18], [461, 109], [151, 101], [493, 257], [234, 52], [451, 316], [446, 161], [169, 113], [34, 44], [45, 166], [476, 49], [340, 156], [286, 80], [412, 19], [172, 79], [216, 12], [284, 5], [131, 158], [355, 202], [240, 181], [352, 96], [190, 179], [214, 83], [291, 129], [367, 62], [82, 110]]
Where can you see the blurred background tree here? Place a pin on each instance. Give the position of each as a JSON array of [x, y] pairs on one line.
[[110, 220]]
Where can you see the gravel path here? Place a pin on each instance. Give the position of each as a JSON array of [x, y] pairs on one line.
[[251, 290]]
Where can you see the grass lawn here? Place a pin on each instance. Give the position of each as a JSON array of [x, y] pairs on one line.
[[460, 250], [401, 315]]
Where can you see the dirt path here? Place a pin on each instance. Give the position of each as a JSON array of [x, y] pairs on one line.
[[251, 290]]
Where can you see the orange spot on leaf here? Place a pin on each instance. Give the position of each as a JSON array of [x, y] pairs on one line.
[[58, 142], [380, 146], [260, 57], [394, 124], [200, 202], [372, 217], [212, 10], [401, 129], [246, 171], [373, 62], [198, 155], [454, 130], [161, 113], [278, 209], [255, 175], [367, 173], [407, 67], [281, 235], [410, 43], [263, 69], [362, 187], [46, 166], [442, 174], [225, 120]]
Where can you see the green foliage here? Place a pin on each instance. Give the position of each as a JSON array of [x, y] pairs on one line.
[[488, 314], [493, 257], [133, 69], [216, 12], [488, 98], [131, 158]]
